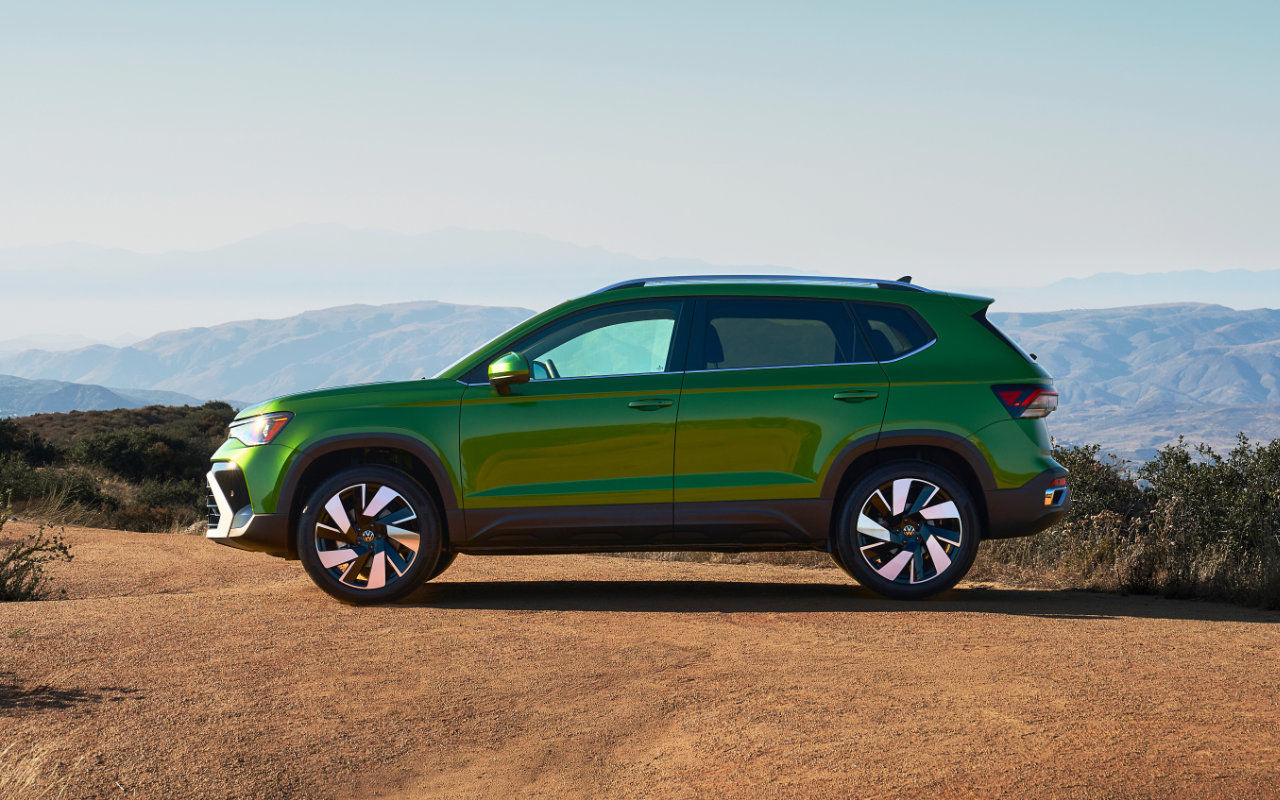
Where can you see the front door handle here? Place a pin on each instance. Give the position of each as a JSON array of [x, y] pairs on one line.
[[650, 404], [856, 395]]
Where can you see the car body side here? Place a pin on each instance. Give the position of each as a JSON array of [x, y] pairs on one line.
[[938, 405]]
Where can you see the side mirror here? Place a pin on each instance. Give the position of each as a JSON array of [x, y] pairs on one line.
[[506, 370]]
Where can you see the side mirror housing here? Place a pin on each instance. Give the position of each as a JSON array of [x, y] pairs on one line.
[[508, 369]]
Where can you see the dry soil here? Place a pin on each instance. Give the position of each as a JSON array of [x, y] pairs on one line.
[[176, 668]]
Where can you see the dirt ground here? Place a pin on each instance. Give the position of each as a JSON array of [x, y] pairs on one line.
[[176, 668]]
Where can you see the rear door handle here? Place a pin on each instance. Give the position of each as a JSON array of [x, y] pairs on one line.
[[856, 395], [650, 404]]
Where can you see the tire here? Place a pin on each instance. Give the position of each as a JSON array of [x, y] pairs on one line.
[[444, 562], [839, 562], [908, 530], [357, 535]]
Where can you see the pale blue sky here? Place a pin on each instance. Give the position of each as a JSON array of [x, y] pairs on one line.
[[984, 141]]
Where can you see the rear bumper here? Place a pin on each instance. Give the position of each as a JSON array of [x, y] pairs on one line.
[[231, 518], [1029, 509]]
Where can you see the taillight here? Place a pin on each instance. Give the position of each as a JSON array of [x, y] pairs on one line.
[[1026, 401]]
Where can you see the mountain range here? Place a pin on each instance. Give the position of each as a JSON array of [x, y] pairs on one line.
[[1234, 288], [292, 270], [1134, 378], [20, 397], [252, 360], [1131, 378], [104, 293]]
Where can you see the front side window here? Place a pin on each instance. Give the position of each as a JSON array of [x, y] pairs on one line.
[[616, 340], [744, 333], [895, 331]]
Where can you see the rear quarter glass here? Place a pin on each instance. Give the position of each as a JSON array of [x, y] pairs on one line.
[[947, 387]]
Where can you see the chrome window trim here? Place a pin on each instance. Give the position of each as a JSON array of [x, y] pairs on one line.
[[911, 353], [687, 371], [732, 369], [587, 377], [788, 366], [905, 355]]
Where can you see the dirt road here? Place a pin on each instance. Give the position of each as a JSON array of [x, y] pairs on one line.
[[179, 669]]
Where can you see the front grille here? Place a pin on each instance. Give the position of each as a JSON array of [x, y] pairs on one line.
[[211, 508]]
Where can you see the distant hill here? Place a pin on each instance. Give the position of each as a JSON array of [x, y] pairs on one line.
[[20, 397], [1134, 378], [1235, 288], [292, 270], [254, 360]]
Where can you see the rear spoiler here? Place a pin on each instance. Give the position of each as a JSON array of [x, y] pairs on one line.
[[971, 304]]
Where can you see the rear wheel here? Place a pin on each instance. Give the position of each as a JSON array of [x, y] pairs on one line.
[[908, 530], [369, 534]]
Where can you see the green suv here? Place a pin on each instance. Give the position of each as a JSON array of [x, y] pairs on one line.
[[892, 426]]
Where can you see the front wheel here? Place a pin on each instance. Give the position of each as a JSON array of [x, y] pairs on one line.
[[369, 534], [908, 530]]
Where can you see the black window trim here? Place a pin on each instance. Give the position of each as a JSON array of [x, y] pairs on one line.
[[676, 354], [697, 339]]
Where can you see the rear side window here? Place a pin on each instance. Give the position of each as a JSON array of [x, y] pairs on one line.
[[894, 330], [744, 333]]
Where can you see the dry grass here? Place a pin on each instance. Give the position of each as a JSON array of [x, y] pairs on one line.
[[1158, 552], [34, 772]]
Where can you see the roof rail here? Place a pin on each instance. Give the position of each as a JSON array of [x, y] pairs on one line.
[[814, 279]]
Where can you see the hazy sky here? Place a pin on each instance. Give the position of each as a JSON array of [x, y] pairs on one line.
[[1001, 138]]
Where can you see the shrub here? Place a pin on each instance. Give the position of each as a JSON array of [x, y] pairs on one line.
[[22, 562], [1189, 523], [17, 477], [151, 519], [27, 445], [138, 454], [176, 493]]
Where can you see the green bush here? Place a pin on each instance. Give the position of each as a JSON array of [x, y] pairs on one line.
[[1189, 523], [17, 477], [175, 493], [59, 464], [139, 454], [26, 445], [151, 519], [22, 561], [23, 482]]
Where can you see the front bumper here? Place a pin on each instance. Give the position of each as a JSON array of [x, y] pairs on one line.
[[231, 518], [1029, 509]]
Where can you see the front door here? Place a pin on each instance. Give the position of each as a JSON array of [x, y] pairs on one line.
[[581, 455], [776, 387]]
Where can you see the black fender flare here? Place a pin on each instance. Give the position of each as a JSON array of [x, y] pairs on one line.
[[951, 442], [307, 455]]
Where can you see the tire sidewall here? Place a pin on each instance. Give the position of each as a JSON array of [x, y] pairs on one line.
[[429, 548], [847, 536]]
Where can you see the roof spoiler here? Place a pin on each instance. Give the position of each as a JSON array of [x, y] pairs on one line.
[[971, 303]]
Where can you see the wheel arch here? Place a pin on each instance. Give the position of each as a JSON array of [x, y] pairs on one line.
[[321, 459], [953, 453]]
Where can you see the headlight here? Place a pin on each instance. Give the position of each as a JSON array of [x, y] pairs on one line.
[[260, 429]]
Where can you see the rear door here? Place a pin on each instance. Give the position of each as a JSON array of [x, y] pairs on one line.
[[775, 389]]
